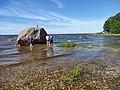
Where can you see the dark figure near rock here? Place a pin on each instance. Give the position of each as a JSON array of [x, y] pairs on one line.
[[30, 41], [38, 35], [51, 39]]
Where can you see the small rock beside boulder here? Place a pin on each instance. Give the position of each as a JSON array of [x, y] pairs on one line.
[[38, 35]]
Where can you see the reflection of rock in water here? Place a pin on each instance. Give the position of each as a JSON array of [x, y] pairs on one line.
[[50, 52], [37, 53]]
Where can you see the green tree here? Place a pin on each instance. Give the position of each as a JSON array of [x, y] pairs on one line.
[[106, 26], [112, 24]]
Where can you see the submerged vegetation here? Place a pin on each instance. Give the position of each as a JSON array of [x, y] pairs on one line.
[[67, 44], [116, 51], [72, 75], [73, 44]]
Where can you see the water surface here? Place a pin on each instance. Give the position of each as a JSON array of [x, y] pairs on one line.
[[106, 54]]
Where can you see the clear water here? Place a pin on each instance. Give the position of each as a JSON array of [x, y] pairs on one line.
[[107, 54]]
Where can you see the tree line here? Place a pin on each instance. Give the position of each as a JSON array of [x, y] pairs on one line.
[[112, 24]]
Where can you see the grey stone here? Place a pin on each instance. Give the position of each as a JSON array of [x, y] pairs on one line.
[[38, 35]]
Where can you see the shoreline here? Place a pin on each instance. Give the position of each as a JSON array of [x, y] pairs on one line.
[[105, 34]]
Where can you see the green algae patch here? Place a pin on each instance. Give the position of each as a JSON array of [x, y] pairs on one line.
[[73, 44], [72, 75], [67, 44]]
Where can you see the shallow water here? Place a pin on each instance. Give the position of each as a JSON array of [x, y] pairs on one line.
[[106, 54], [25, 68]]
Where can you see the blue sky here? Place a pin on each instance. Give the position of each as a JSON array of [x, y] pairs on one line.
[[56, 16]]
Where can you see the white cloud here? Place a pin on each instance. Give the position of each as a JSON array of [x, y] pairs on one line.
[[58, 3], [14, 11], [81, 27], [70, 25], [55, 23], [11, 28]]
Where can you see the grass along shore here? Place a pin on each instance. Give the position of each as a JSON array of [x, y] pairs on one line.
[[105, 34]]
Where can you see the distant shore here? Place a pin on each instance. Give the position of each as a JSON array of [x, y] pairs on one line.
[[104, 34]]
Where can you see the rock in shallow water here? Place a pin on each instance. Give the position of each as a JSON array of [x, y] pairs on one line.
[[38, 35]]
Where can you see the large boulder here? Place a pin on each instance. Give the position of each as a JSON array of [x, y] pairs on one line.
[[38, 35]]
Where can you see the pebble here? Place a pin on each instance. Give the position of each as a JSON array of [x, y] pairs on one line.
[[31, 84], [35, 81], [94, 82]]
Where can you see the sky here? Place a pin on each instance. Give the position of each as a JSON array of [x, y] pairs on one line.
[[56, 16]]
